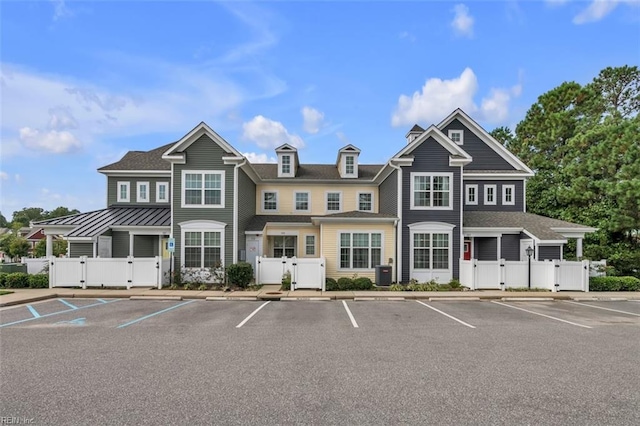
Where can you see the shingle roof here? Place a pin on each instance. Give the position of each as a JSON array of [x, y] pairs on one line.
[[258, 222], [94, 223], [416, 128], [360, 215], [317, 172], [142, 160], [539, 226]]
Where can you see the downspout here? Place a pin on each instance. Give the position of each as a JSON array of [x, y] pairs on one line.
[[398, 268], [235, 208], [461, 253]]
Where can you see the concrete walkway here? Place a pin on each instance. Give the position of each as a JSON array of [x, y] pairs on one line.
[[20, 296]]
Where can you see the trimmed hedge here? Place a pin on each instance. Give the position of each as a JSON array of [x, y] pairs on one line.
[[240, 274], [614, 284], [330, 284], [347, 284], [3, 278], [23, 280], [39, 281]]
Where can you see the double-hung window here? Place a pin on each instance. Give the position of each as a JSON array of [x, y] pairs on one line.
[[431, 191], [270, 201], [203, 189], [286, 165], [162, 192], [310, 245], [508, 195], [349, 165], [143, 192], [360, 250], [334, 203], [301, 200], [490, 195], [123, 192], [365, 201], [202, 249], [471, 197], [430, 251]]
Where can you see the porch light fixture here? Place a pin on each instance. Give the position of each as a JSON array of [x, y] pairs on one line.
[[529, 252]]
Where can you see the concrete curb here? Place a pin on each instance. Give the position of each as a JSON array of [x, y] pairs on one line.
[[33, 299], [312, 298], [155, 298], [386, 299], [528, 299], [449, 299]]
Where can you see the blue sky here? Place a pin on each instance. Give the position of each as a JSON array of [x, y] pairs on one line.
[[83, 82]]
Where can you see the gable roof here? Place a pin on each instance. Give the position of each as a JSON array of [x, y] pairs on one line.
[[175, 152], [141, 160], [491, 142], [438, 136], [317, 172]]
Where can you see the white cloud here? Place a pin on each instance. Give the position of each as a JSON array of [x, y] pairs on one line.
[[60, 10], [597, 10], [343, 138], [439, 97], [53, 141], [312, 120], [4, 175], [259, 158], [268, 133], [462, 23]]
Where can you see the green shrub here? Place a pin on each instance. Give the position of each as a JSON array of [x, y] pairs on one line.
[[240, 274], [203, 287], [188, 286], [345, 283], [17, 280], [3, 278], [397, 287], [39, 281], [286, 281], [330, 284], [614, 284], [455, 283], [362, 283]]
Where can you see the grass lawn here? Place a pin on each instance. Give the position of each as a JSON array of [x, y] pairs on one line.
[[2, 292]]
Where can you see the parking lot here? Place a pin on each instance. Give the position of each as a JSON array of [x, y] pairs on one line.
[[89, 361]]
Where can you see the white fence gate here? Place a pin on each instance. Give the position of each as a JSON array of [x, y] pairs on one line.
[[305, 272], [105, 272], [556, 275]]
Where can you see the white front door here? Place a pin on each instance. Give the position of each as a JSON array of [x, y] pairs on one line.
[[524, 244], [254, 249]]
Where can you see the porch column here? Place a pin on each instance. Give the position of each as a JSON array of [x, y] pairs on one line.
[[49, 251], [131, 244], [579, 248], [499, 247]]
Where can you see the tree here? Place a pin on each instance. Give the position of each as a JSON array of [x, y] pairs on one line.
[[582, 142], [59, 248], [504, 135], [60, 212], [19, 247], [3, 221], [27, 215]]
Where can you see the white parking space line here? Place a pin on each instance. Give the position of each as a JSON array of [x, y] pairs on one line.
[[606, 309], [353, 320], [542, 315], [244, 321], [446, 314]]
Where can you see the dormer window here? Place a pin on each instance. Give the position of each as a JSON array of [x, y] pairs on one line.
[[347, 161], [286, 164], [457, 136], [287, 161], [349, 167]]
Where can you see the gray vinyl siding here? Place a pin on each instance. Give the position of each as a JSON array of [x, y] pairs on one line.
[[430, 156], [510, 247], [120, 244], [485, 248], [549, 252], [112, 189], [484, 158], [388, 195], [519, 194], [246, 206], [80, 249], [204, 154], [145, 245]]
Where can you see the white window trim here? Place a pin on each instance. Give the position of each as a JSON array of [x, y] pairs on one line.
[[431, 228], [326, 202], [138, 198], [314, 245], [128, 185], [466, 195], [360, 231], [203, 206], [504, 195], [262, 201], [358, 201], [452, 131], [295, 208], [166, 191], [202, 226], [414, 174], [344, 166], [291, 165], [486, 195]]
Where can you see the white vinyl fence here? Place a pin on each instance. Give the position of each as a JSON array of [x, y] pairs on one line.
[[305, 272], [35, 266], [556, 275], [105, 272]]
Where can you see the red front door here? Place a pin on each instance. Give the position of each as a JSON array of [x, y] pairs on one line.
[[467, 250]]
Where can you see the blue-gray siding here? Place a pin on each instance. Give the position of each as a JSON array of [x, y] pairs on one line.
[[549, 252], [145, 245], [80, 249], [120, 244], [484, 157], [246, 207], [485, 248], [430, 156], [519, 194], [112, 189], [203, 154], [388, 195], [510, 247]]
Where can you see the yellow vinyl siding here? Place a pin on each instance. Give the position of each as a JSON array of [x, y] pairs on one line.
[[286, 200], [330, 234], [300, 231]]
